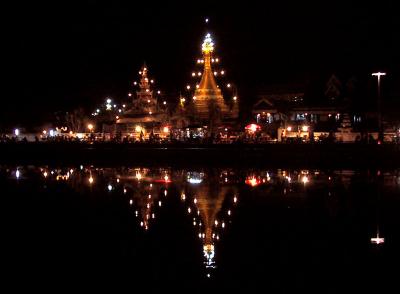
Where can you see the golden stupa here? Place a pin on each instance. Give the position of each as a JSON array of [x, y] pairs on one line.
[[207, 94]]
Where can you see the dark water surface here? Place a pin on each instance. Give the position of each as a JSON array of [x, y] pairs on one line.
[[197, 230]]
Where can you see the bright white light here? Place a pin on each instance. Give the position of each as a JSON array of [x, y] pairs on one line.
[[51, 133], [377, 240], [91, 180], [208, 44], [130, 201], [378, 74], [305, 179], [194, 181], [16, 132], [17, 174], [108, 101], [289, 129], [159, 203], [304, 128], [109, 187]]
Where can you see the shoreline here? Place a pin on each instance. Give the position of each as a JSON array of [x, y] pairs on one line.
[[241, 155]]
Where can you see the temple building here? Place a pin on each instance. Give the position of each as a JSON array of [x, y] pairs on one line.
[[145, 116], [206, 108]]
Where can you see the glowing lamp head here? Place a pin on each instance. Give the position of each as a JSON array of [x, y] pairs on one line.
[[166, 129], [208, 44], [378, 74], [90, 127], [289, 129], [138, 129], [304, 128]]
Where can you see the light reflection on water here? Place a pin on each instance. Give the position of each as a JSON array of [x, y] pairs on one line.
[[210, 197]]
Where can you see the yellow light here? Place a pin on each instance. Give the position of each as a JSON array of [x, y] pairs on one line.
[[208, 44], [90, 127], [147, 90], [304, 128], [228, 85], [197, 86], [138, 129], [234, 98], [70, 132], [117, 117], [215, 73], [194, 97], [148, 101], [150, 112], [44, 132], [139, 176], [305, 179], [199, 73], [222, 72], [193, 74], [289, 129], [166, 129], [91, 180]]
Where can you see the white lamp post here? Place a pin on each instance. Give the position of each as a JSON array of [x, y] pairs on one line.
[[378, 75]]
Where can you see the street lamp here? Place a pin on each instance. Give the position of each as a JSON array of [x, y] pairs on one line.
[[90, 127], [378, 75]]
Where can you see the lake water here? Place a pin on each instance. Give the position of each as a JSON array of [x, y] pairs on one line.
[[160, 229]]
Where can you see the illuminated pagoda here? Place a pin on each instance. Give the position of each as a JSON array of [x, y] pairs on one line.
[[204, 104], [146, 114]]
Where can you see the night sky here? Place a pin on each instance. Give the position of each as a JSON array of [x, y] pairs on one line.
[[59, 56]]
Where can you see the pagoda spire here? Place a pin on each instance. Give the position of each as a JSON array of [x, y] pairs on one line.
[[207, 80]]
